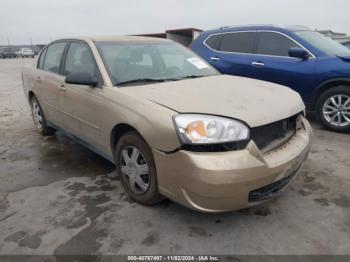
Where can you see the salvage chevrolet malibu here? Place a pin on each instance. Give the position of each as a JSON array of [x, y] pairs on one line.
[[173, 125]]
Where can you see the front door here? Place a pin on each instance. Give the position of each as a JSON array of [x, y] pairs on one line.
[[272, 63], [81, 104]]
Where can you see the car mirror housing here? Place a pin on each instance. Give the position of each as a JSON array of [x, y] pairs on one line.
[[298, 52], [82, 78]]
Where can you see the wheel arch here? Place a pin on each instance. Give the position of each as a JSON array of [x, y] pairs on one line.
[[30, 95], [328, 85], [118, 131]]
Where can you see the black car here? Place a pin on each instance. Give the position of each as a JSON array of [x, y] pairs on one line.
[[8, 53]]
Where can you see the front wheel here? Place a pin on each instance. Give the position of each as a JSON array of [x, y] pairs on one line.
[[333, 109], [39, 118], [136, 168]]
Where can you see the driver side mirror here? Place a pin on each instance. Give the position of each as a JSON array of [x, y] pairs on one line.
[[298, 52], [82, 78]]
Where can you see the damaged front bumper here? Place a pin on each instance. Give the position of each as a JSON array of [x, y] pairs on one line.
[[225, 181]]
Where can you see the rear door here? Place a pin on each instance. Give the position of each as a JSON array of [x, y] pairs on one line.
[[273, 63], [49, 81], [81, 104], [233, 52]]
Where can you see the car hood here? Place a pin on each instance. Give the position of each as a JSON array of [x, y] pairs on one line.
[[252, 101]]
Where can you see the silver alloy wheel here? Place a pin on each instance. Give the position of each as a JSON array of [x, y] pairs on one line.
[[37, 115], [336, 110], [134, 166]]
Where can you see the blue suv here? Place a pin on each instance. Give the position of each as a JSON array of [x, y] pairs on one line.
[[315, 66]]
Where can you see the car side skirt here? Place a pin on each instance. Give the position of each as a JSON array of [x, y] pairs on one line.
[[81, 142]]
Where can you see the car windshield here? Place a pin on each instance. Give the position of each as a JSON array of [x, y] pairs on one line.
[[131, 63], [325, 44]]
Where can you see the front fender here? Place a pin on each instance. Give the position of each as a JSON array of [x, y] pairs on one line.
[[151, 120], [329, 83]]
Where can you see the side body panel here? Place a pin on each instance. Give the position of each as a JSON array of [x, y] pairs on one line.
[[292, 72]]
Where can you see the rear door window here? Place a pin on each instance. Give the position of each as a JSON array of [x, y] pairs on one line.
[[53, 57], [274, 44], [241, 42]]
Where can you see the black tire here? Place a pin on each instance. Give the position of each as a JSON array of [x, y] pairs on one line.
[[151, 196], [321, 101], [44, 129]]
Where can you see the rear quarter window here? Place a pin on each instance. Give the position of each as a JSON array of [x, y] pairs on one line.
[[213, 41]]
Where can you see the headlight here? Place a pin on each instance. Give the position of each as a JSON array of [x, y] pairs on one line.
[[206, 129]]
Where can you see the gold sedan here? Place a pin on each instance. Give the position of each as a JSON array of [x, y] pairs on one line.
[[171, 123]]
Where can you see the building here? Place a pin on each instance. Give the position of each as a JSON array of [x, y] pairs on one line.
[[339, 37], [184, 36]]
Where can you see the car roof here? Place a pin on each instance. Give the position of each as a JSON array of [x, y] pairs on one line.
[[260, 27], [116, 38]]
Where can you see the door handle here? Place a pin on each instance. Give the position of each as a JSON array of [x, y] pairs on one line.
[[38, 79], [63, 88], [258, 64], [215, 59]]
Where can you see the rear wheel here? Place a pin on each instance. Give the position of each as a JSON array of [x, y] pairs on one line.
[[333, 109], [136, 168], [39, 118]]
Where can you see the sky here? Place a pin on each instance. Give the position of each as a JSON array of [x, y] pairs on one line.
[[46, 20]]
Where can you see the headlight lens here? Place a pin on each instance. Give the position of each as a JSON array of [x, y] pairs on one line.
[[206, 129]]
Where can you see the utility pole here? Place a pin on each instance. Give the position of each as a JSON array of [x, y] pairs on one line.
[[8, 41], [31, 43]]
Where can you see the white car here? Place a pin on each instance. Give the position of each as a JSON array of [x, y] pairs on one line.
[[26, 52]]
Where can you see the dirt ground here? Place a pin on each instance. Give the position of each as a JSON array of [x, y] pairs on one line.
[[56, 198]]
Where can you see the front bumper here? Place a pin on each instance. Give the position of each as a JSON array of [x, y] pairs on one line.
[[226, 181]]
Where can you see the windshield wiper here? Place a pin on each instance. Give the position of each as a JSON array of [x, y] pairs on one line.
[[193, 76], [141, 80], [185, 77], [157, 80]]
